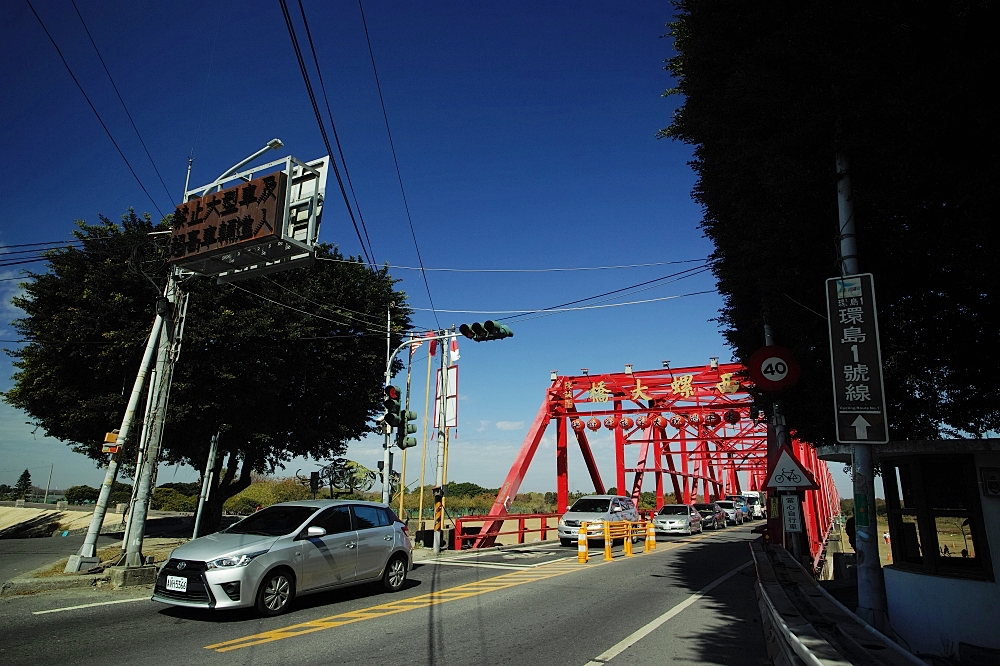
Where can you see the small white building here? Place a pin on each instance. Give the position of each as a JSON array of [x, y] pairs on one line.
[[943, 501]]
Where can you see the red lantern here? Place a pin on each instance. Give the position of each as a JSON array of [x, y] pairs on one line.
[[712, 419], [659, 421], [677, 421], [609, 423], [626, 423], [642, 421], [594, 424], [694, 418], [732, 417], [577, 425]]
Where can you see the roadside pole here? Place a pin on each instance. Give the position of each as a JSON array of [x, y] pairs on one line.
[[45, 500], [423, 455], [206, 483], [89, 547], [442, 427], [871, 585], [402, 463], [165, 360], [387, 452], [776, 524]]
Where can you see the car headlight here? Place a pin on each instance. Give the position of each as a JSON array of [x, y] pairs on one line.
[[234, 560]]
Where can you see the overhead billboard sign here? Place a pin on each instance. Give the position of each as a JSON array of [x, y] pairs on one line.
[[859, 395], [217, 223]]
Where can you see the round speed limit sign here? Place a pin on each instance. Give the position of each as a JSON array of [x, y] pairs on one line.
[[773, 368]]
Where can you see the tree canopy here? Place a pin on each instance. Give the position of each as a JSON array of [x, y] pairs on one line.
[[288, 364], [771, 92]]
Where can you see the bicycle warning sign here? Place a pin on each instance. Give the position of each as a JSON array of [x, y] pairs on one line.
[[789, 474]]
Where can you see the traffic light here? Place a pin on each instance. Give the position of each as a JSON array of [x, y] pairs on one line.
[[406, 428], [488, 330], [391, 404]]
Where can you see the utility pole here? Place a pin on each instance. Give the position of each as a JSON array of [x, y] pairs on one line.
[[387, 453], [167, 352], [88, 551], [423, 454], [206, 483], [45, 500], [442, 427], [871, 585]]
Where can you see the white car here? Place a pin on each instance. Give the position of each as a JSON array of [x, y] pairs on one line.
[[677, 519], [594, 510], [733, 514]]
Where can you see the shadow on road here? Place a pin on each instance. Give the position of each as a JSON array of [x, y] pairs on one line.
[[330, 601], [733, 633]]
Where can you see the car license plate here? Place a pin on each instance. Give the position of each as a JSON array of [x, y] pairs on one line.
[[177, 583]]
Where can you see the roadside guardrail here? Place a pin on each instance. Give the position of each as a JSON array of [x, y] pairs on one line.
[[611, 531]]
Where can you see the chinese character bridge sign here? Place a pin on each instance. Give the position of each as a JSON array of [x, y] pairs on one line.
[[217, 223], [859, 397]]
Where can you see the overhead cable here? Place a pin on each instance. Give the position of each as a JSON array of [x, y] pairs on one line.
[[582, 307], [333, 126], [113, 85], [322, 125], [395, 161], [93, 108], [528, 270]]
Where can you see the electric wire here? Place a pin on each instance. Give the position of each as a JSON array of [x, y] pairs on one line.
[[305, 312], [93, 108], [319, 121], [529, 270], [395, 161], [333, 126], [113, 85]]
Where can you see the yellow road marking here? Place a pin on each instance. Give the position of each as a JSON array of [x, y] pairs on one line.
[[504, 581]]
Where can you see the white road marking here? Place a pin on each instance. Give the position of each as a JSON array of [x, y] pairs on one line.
[[641, 633], [99, 603]]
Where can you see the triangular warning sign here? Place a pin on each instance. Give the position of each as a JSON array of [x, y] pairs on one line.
[[787, 473]]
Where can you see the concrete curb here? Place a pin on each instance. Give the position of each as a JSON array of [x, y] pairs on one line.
[[24, 585]]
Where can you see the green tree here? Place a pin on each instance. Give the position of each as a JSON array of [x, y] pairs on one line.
[[81, 494], [770, 94], [288, 364], [23, 485]]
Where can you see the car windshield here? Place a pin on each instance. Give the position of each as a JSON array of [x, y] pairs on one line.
[[725, 504], [273, 521], [590, 505], [674, 510], [704, 507], [752, 501]]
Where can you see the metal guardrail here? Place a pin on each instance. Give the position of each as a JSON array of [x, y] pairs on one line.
[[465, 533]]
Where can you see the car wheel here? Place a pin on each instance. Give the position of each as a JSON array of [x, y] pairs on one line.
[[275, 593], [565, 542], [395, 575]]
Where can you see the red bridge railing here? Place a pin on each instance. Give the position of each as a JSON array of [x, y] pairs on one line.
[[466, 533]]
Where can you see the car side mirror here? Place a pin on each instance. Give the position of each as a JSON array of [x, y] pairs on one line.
[[314, 531]]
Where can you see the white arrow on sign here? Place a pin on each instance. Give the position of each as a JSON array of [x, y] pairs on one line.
[[861, 427]]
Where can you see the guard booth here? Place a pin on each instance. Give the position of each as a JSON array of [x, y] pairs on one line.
[[943, 504]]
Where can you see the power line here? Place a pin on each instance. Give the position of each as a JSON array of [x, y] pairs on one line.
[[319, 121], [333, 126], [528, 270], [305, 312], [3, 247], [395, 161], [93, 108], [113, 85], [583, 307]]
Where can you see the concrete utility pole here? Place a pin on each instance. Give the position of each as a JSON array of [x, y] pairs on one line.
[[45, 500], [406, 408], [166, 358], [206, 483], [88, 551], [442, 427], [871, 585]]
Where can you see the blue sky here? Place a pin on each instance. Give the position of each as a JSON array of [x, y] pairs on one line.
[[525, 134]]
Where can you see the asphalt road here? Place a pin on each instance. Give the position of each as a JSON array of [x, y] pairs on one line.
[[19, 556], [534, 604]]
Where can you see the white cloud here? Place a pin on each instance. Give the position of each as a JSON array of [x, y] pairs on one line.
[[510, 425], [483, 425]]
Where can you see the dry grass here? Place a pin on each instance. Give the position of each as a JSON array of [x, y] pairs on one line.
[[159, 548]]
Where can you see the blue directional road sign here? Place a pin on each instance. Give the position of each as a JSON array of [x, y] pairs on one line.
[[859, 395]]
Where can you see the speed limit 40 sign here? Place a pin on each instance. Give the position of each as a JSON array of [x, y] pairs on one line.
[[773, 368]]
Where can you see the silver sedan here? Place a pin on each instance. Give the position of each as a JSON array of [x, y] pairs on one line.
[[287, 550]]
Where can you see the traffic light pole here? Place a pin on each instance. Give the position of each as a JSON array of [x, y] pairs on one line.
[[442, 428], [387, 446]]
